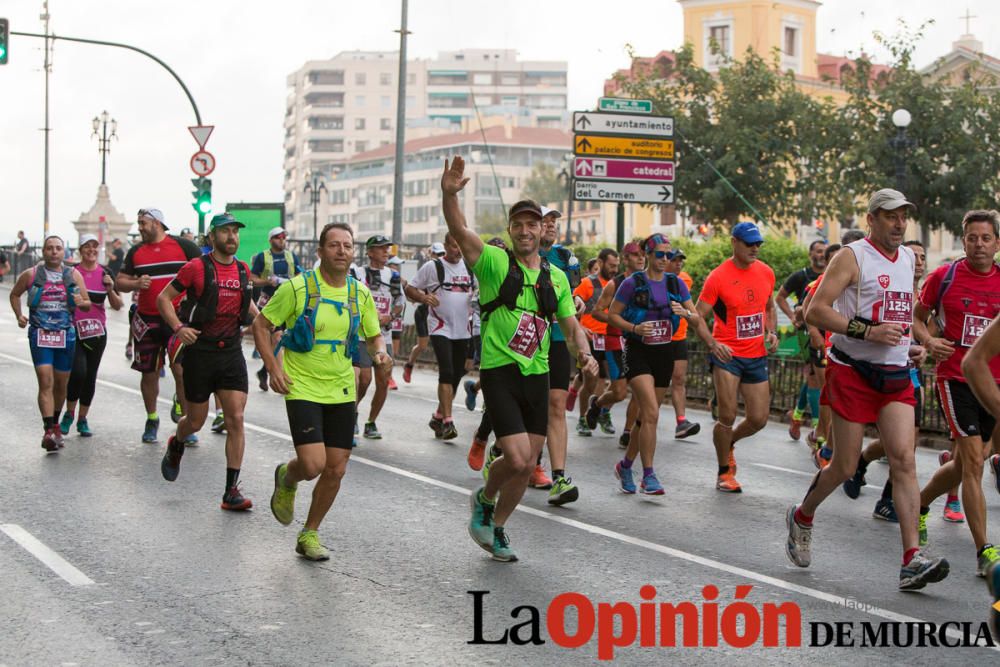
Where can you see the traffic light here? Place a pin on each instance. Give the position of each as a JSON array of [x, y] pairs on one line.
[[4, 40], [202, 195]]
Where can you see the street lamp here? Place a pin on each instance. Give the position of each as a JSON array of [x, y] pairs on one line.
[[901, 143], [314, 188], [100, 127]]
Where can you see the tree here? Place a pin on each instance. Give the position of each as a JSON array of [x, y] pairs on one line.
[[492, 223], [545, 184]]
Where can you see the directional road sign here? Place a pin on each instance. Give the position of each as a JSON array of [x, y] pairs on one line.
[[623, 170], [620, 123], [625, 105], [630, 193], [201, 133], [592, 145], [202, 163]]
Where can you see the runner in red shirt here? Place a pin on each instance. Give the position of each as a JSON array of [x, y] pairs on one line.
[[602, 346], [218, 302], [739, 293]]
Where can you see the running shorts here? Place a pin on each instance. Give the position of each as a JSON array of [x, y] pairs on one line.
[[329, 423], [517, 403]]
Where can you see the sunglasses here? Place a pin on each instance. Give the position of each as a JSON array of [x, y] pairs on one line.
[[661, 254], [752, 245]]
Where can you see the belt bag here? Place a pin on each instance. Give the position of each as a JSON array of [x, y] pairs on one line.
[[880, 377]]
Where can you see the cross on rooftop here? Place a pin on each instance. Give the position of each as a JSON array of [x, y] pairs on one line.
[[967, 18]]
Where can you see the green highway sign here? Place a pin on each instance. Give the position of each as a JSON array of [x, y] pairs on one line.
[[624, 105]]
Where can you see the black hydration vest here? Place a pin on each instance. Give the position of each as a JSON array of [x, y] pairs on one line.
[[196, 312], [512, 286]]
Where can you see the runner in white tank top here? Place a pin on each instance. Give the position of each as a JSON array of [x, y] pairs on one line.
[[866, 300]]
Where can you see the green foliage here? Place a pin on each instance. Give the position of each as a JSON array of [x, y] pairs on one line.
[[491, 224], [545, 185], [783, 256]]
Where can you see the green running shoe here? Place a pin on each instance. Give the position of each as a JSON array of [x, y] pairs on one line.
[[83, 428], [308, 546], [481, 521], [219, 423], [371, 431], [501, 550], [604, 421], [922, 530], [582, 429], [491, 456], [176, 411], [283, 498], [65, 423], [987, 558], [563, 491]]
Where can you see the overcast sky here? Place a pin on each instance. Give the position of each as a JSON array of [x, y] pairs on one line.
[[235, 56]]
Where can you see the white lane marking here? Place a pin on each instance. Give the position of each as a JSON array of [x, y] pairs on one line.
[[597, 530], [47, 556], [803, 473]]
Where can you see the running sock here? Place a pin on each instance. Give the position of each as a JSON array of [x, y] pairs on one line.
[[152, 416], [626, 432], [680, 419], [723, 469], [626, 463], [909, 554], [797, 414], [232, 476], [813, 395], [800, 518], [49, 422], [447, 420], [862, 464], [646, 472], [483, 499], [887, 491], [438, 415], [800, 405], [924, 509], [815, 424], [951, 499], [556, 474]]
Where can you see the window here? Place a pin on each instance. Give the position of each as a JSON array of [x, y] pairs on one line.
[[791, 42], [342, 218], [359, 123], [385, 78], [385, 102], [411, 101], [359, 78], [718, 42], [339, 196], [720, 35], [327, 77], [482, 79], [359, 100], [411, 78], [360, 146], [326, 123], [327, 146], [510, 80], [385, 124], [325, 99]]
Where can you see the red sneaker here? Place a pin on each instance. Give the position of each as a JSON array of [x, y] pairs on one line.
[[539, 480], [477, 452], [407, 372], [795, 429], [392, 384], [570, 399]]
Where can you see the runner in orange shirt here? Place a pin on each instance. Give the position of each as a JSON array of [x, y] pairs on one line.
[[678, 381], [739, 293], [602, 346]]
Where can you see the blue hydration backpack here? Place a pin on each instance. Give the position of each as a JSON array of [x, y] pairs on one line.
[[301, 337], [642, 300]]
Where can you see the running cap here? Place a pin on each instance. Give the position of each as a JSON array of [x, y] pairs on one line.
[[747, 232], [676, 254], [554, 212], [437, 248], [276, 231], [377, 241], [155, 214], [888, 199], [654, 240], [395, 260], [525, 206], [87, 238], [224, 220], [631, 249]]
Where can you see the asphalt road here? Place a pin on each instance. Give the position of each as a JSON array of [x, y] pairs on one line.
[[102, 562]]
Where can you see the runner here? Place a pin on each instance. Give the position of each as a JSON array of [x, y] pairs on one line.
[[868, 378], [444, 285], [679, 348], [396, 326], [218, 302], [269, 269], [149, 268], [964, 297], [647, 309], [387, 292], [91, 335], [316, 378], [796, 285], [589, 291], [740, 294], [55, 291], [515, 366], [420, 325], [561, 487]]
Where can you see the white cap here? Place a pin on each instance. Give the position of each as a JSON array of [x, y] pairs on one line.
[[546, 212], [394, 260], [87, 238], [437, 248], [155, 214], [275, 231]]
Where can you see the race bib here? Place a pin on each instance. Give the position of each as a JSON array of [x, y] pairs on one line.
[[972, 328], [663, 331], [528, 336], [90, 328], [598, 342], [897, 307], [139, 327], [396, 324], [51, 339], [383, 303], [749, 326]]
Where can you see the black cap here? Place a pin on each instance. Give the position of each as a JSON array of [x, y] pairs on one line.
[[525, 206], [377, 240]]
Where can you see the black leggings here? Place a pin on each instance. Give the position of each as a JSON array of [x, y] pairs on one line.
[[451, 359], [83, 379]]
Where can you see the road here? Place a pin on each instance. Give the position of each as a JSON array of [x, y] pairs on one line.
[[145, 572]]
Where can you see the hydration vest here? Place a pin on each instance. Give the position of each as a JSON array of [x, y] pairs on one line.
[[269, 264], [642, 300], [198, 311], [512, 286], [571, 267], [374, 279], [589, 304], [38, 286], [301, 336]]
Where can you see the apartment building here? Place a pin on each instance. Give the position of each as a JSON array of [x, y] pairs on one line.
[[345, 106]]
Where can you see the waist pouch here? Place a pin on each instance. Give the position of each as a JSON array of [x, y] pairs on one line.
[[880, 377]]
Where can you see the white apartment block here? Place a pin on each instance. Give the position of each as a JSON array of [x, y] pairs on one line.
[[344, 106], [361, 193]]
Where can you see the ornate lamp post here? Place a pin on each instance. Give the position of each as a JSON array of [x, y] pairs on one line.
[[100, 127]]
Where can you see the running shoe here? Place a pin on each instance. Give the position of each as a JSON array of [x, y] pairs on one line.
[[65, 423], [563, 491], [170, 466], [308, 546], [593, 412], [922, 570], [437, 425], [885, 510], [604, 421], [539, 480], [623, 440], [152, 426], [371, 431], [686, 428], [49, 442], [582, 429], [262, 379], [392, 385], [176, 411], [944, 457], [234, 501], [798, 547], [57, 434], [481, 521], [624, 476], [128, 351], [470, 394], [449, 431], [491, 456], [812, 440], [191, 440], [994, 463], [476, 453], [795, 429], [283, 497], [727, 483], [993, 582], [501, 550], [571, 399], [219, 423], [852, 487], [651, 486], [407, 373], [953, 511], [83, 428], [822, 456], [732, 461], [922, 530], [987, 558]]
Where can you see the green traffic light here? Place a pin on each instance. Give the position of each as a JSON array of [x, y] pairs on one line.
[[205, 205]]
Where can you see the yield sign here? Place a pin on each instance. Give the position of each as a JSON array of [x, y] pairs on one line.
[[201, 133]]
